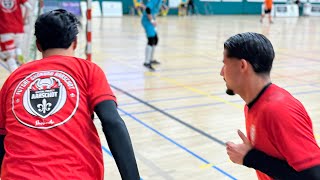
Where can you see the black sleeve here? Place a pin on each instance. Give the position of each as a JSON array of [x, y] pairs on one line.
[[2, 151], [311, 173], [148, 10], [118, 139], [278, 169], [273, 167]]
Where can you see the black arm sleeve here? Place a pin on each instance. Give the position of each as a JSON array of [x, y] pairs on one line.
[[311, 173], [273, 167], [2, 151], [278, 169], [148, 10], [118, 139]]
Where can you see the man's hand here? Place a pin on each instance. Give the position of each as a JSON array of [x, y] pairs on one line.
[[154, 23], [237, 152]]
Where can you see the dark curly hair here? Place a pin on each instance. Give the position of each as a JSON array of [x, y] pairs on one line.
[[56, 29]]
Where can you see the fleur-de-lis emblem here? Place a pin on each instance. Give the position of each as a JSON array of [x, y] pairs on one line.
[[44, 106]]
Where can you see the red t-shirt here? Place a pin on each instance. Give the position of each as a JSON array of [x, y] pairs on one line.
[[279, 125], [45, 113], [11, 16]]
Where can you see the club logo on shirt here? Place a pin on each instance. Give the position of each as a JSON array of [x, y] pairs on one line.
[[8, 6], [45, 99]]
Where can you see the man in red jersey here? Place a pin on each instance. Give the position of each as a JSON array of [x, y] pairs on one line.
[[46, 107], [280, 143], [11, 30]]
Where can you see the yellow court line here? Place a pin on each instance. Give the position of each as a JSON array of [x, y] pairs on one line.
[[115, 59], [205, 166], [195, 90], [175, 82]]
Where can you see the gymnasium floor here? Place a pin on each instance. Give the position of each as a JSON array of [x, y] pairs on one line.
[[179, 116]]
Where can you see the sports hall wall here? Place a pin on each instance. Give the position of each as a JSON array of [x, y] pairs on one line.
[[215, 7], [206, 7], [211, 7]]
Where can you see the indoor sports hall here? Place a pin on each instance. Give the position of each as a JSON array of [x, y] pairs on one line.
[[179, 116]]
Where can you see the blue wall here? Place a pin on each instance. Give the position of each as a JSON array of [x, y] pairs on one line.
[[207, 8], [211, 7]]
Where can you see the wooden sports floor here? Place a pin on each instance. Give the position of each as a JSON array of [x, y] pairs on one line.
[[179, 117]]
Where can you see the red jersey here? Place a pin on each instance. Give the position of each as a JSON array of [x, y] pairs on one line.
[[11, 16], [45, 113], [279, 125]]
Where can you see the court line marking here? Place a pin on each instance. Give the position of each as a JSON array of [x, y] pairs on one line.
[[175, 143], [171, 116], [4, 65], [110, 154]]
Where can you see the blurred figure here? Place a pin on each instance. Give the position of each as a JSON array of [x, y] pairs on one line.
[[149, 24], [11, 30], [267, 10]]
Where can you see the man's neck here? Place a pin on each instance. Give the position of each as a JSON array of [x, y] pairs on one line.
[[253, 88], [58, 51]]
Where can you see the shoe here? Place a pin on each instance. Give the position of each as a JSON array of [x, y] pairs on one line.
[[149, 66], [155, 62]]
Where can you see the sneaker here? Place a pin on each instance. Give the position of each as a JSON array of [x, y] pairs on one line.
[[149, 66], [155, 62]]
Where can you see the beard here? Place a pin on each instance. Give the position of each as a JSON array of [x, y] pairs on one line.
[[230, 92]]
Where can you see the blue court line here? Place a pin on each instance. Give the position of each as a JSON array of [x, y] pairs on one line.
[[215, 94], [167, 99], [203, 133], [185, 107], [107, 151], [175, 143], [125, 79], [177, 74], [164, 70], [211, 104], [171, 75], [306, 92], [110, 154], [5, 67], [122, 73], [201, 105]]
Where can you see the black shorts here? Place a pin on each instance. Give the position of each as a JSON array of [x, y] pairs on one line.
[[267, 11]]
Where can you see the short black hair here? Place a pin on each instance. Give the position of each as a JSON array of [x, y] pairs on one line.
[[56, 29], [253, 47]]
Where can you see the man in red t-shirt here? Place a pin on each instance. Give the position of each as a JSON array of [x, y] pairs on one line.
[[11, 29], [45, 112], [280, 143]]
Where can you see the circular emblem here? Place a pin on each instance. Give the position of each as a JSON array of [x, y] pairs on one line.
[[8, 6], [45, 99]]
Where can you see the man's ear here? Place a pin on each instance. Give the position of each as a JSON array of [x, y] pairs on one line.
[[39, 46], [244, 65], [75, 44]]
